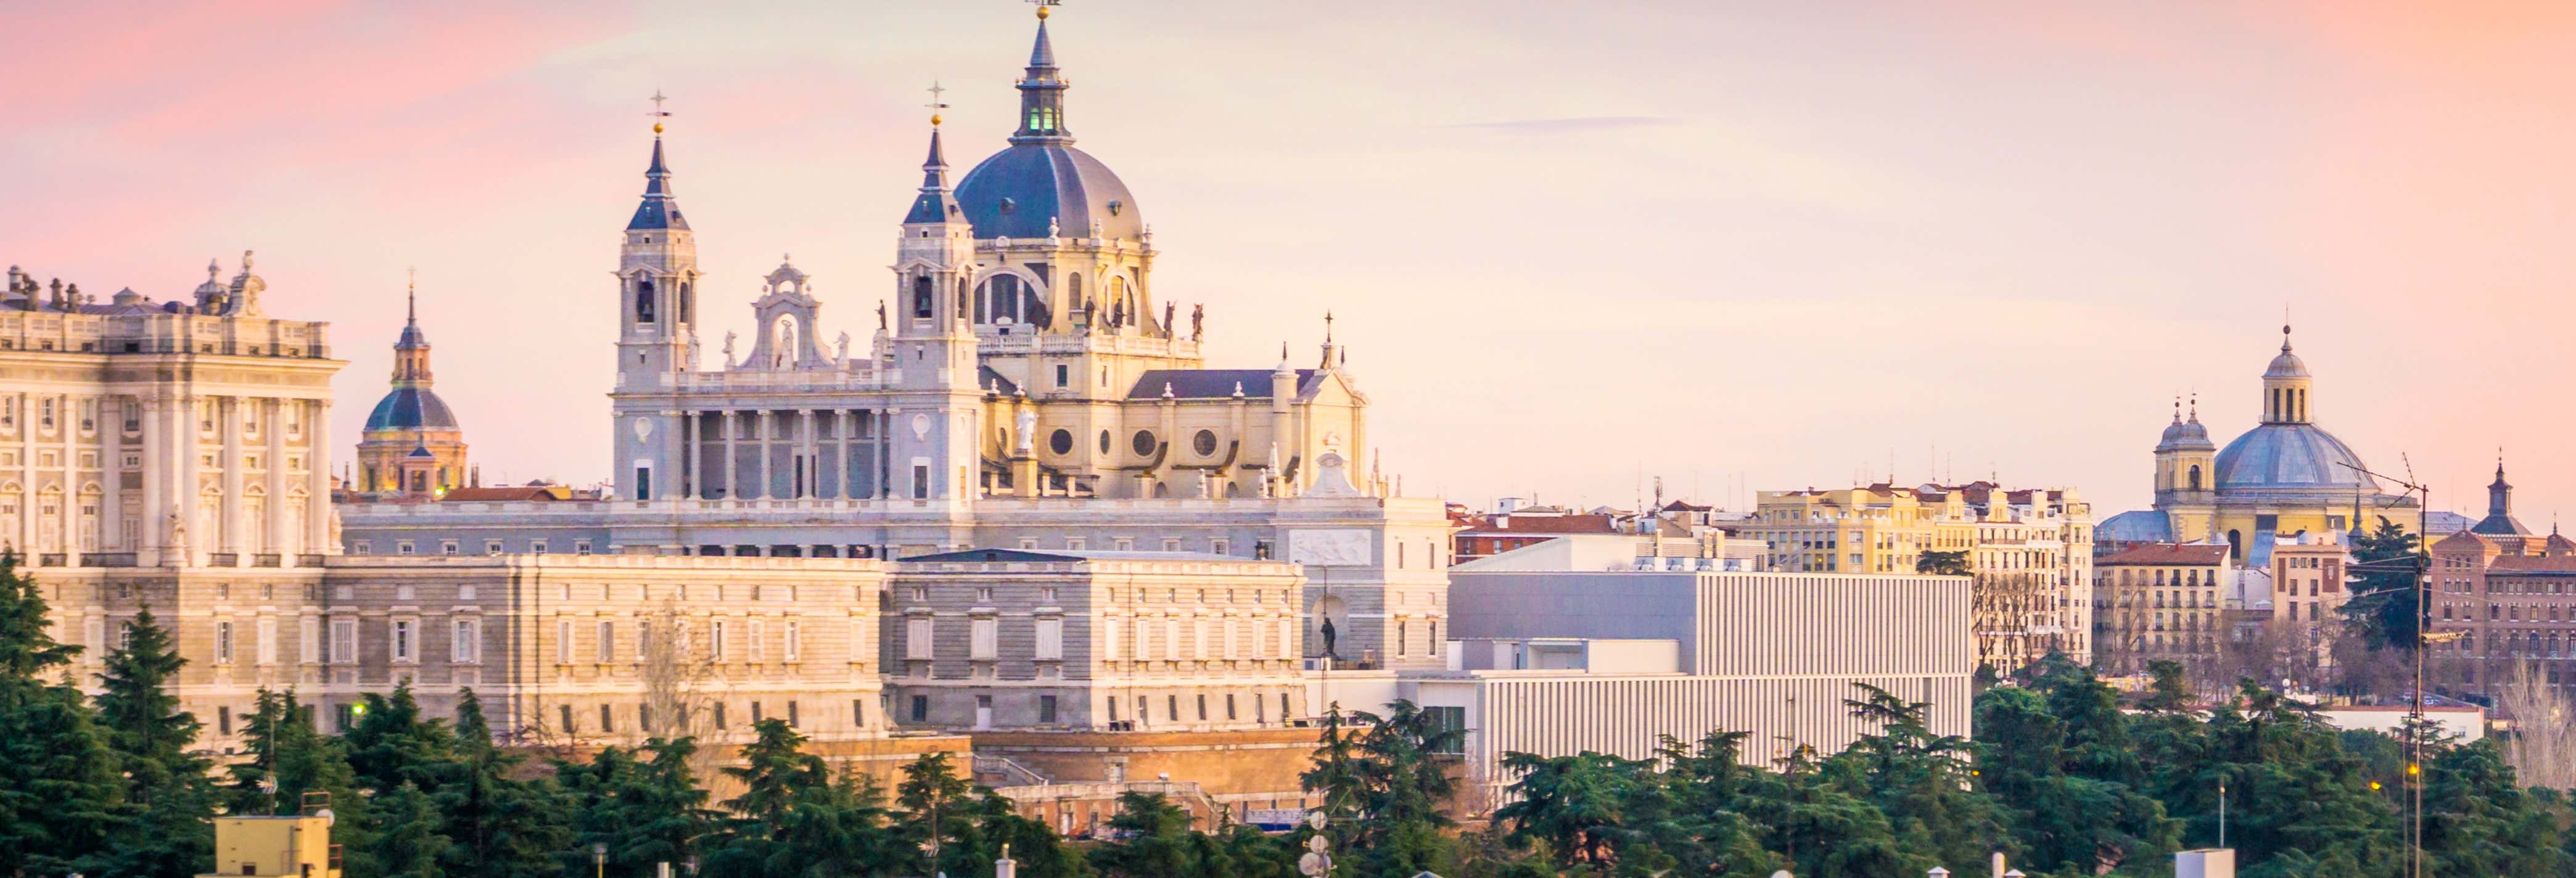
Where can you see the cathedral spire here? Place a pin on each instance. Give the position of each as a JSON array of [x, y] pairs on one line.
[[658, 211], [1042, 90], [937, 203]]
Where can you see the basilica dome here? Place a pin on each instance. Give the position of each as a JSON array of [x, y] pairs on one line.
[[1019, 191], [2290, 456], [411, 408]]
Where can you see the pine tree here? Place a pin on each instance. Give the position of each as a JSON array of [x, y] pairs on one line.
[[934, 800], [407, 841], [59, 791], [161, 830], [501, 827]]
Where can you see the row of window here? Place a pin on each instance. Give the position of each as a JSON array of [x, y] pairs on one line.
[[403, 641], [683, 642], [2508, 612], [533, 546]]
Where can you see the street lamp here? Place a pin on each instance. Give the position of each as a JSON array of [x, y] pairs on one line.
[[599, 860]]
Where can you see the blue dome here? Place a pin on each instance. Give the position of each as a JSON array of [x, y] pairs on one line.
[[411, 408], [2291, 457], [1016, 192]]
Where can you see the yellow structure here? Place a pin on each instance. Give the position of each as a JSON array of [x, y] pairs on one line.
[[2031, 551], [2285, 477], [299, 846], [2159, 601]]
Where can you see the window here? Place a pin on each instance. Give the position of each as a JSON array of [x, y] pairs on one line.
[[916, 638], [267, 641], [716, 639], [755, 713], [643, 718], [643, 483], [1144, 443], [1229, 706], [759, 635], [793, 647], [921, 708], [446, 547], [223, 643], [465, 643], [404, 632], [1283, 707], [491, 547], [1202, 704], [564, 711], [858, 712], [344, 641], [1204, 443], [607, 641], [644, 300], [984, 642], [720, 714], [403, 548], [581, 547], [604, 725], [1063, 376], [1046, 708], [1443, 720], [1061, 441], [1172, 707], [1050, 636], [223, 720], [536, 546], [791, 713]]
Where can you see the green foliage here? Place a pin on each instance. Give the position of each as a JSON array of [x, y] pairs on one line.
[[60, 795], [1953, 563], [2385, 607], [161, 829]]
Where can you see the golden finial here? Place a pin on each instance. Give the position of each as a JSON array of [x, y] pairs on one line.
[[1045, 7], [658, 113], [935, 104]]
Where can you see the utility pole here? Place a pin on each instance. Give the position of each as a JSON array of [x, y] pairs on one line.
[[2423, 624]]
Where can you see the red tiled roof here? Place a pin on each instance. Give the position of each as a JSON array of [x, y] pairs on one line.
[[2531, 564], [1548, 524], [2166, 553], [509, 493]]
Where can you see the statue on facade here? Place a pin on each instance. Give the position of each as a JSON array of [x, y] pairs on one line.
[[841, 346], [1168, 313], [1118, 313], [1198, 321], [881, 315], [693, 352], [1028, 432], [1329, 637], [728, 349]]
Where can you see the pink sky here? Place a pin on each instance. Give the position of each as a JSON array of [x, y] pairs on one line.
[[1756, 244]]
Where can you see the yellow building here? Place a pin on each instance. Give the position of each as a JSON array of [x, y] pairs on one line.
[[2159, 601], [2287, 477], [298, 846], [2031, 551]]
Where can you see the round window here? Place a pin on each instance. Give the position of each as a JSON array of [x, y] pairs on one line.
[[1061, 442], [1144, 442], [1205, 442], [1104, 442]]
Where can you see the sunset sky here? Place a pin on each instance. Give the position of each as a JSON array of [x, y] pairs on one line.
[[1732, 244]]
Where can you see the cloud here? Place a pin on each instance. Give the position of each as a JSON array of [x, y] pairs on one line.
[[1570, 125]]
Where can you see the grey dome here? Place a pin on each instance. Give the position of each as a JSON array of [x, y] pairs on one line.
[[2293, 457], [2185, 436], [1016, 192], [2287, 365], [411, 408]]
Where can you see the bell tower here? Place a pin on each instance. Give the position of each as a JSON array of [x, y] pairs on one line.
[[657, 274], [930, 349]]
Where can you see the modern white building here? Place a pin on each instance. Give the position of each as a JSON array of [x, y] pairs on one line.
[[1561, 662]]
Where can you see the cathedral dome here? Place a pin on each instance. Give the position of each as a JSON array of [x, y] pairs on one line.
[[2291, 457], [411, 408], [1020, 191]]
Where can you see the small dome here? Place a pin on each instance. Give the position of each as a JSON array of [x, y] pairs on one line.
[[2287, 365], [1018, 191], [2185, 436], [2291, 457], [411, 408]]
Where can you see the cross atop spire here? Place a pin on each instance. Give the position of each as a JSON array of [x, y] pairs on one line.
[[936, 105], [658, 211], [411, 297], [658, 113]]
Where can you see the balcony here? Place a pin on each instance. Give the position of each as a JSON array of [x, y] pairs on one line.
[[266, 560], [107, 559]]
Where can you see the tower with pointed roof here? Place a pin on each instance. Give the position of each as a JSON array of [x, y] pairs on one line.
[[657, 274], [412, 445]]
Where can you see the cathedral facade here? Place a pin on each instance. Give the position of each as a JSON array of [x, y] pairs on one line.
[[2286, 477], [1023, 385]]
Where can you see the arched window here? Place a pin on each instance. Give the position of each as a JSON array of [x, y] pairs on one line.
[[2194, 484], [644, 300], [682, 307], [1073, 290], [2235, 546], [921, 303]]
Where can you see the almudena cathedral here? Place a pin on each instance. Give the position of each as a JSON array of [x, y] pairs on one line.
[[1025, 519]]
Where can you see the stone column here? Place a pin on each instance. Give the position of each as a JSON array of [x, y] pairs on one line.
[[272, 413], [156, 476], [805, 445], [317, 477], [111, 479], [762, 425], [733, 472], [228, 418]]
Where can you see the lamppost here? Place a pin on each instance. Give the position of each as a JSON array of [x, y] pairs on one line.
[[599, 860]]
